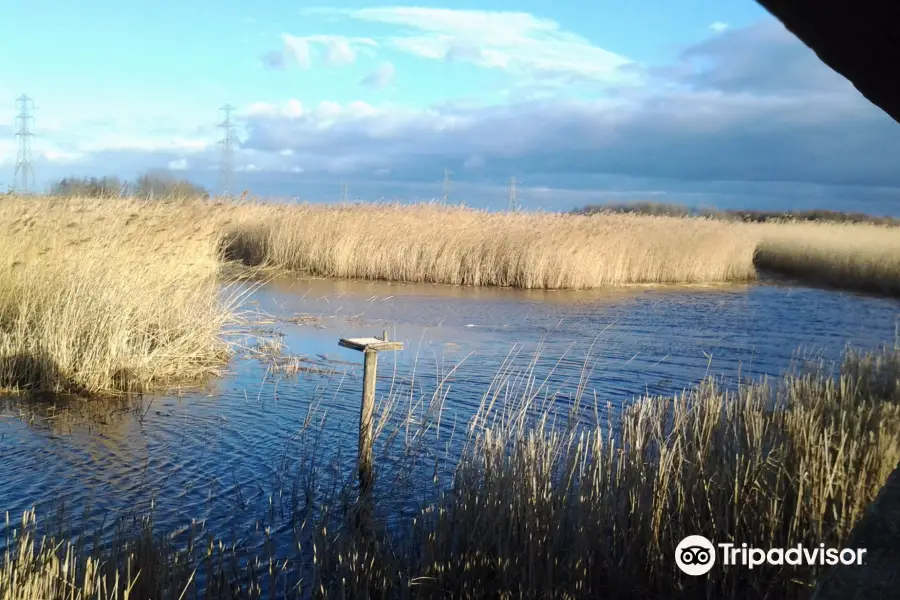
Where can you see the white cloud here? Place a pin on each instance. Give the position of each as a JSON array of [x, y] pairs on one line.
[[7, 152], [320, 116], [382, 77], [259, 108], [178, 165], [747, 105], [296, 49], [718, 26], [61, 156], [292, 110], [516, 42], [336, 50], [733, 117]]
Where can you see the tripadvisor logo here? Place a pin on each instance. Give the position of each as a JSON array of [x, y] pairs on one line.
[[696, 555]]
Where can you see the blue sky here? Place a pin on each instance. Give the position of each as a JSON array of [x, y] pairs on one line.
[[700, 101]]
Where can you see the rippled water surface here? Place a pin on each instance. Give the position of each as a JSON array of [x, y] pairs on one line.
[[223, 455]]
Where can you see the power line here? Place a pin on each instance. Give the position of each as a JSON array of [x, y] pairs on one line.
[[23, 180], [228, 142], [513, 201]]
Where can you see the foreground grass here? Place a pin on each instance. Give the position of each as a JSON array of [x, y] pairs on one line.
[[539, 509]]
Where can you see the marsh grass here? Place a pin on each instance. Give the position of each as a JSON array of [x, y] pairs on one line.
[[855, 257], [544, 506], [454, 245], [113, 295], [94, 300]]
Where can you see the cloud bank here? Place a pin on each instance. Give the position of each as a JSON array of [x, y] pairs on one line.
[[516, 42], [750, 104], [748, 107]]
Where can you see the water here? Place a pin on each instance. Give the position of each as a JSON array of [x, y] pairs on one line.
[[226, 455]]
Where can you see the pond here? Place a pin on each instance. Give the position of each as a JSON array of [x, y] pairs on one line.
[[224, 456]]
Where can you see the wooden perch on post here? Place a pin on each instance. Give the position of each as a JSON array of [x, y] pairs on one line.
[[370, 346]]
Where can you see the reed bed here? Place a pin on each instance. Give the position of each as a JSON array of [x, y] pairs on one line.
[[100, 295], [462, 246], [96, 298], [855, 257], [544, 509]]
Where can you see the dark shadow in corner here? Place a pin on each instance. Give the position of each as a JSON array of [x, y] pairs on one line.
[[28, 373], [823, 276], [246, 245]]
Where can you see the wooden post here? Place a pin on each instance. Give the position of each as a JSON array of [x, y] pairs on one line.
[[370, 347], [366, 413]]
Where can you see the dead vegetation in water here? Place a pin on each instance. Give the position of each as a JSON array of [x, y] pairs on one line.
[[539, 510], [273, 351]]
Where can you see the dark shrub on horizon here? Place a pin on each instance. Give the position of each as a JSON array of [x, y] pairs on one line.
[[747, 216], [153, 184], [93, 187]]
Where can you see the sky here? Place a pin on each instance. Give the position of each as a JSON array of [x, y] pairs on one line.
[[704, 102]]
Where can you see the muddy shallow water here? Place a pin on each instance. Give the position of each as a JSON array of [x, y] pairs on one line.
[[223, 455]]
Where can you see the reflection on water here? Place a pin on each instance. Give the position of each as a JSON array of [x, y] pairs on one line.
[[222, 455]]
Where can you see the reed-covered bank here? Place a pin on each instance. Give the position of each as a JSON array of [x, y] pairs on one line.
[[124, 294], [539, 509], [454, 245], [854, 257], [97, 296], [458, 245], [430, 243], [747, 215]]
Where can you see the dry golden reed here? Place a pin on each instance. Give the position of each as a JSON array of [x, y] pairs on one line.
[[102, 297], [854, 257], [122, 294], [455, 245]]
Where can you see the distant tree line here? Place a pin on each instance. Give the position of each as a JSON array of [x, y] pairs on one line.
[[148, 185], [748, 216]]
